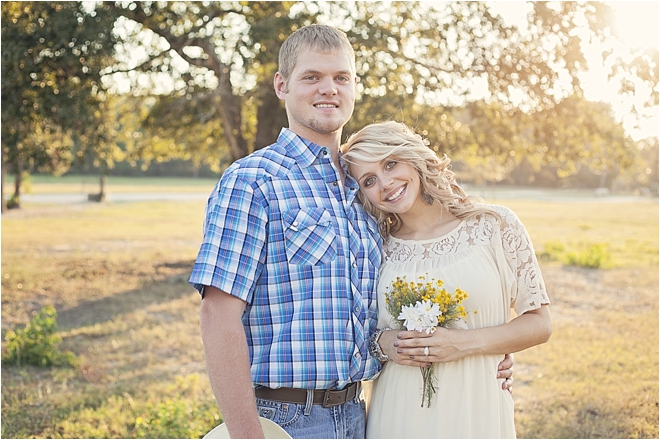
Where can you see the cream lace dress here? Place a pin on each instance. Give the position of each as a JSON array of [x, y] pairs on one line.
[[494, 263]]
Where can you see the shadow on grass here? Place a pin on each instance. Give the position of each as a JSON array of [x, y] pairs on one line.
[[99, 311]]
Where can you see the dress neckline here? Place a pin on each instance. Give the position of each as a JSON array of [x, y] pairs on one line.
[[429, 240]]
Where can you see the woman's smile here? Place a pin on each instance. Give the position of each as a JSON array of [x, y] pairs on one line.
[[396, 194]]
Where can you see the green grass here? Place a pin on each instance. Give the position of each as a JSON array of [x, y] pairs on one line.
[[629, 229], [117, 276], [48, 184]]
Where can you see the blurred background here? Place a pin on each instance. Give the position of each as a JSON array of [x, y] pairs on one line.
[[536, 94]]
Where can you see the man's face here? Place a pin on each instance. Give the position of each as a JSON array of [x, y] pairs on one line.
[[319, 95]]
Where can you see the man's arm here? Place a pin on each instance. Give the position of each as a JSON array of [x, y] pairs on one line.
[[227, 362]]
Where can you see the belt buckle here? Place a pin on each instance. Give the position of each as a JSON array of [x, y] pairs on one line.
[[327, 397]]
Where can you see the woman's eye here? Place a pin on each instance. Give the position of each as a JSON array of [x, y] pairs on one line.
[[390, 164], [368, 182]]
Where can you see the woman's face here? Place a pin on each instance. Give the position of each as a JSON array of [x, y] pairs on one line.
[[391, 185]]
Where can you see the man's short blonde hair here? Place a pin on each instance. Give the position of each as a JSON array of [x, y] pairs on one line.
[[315, 37]]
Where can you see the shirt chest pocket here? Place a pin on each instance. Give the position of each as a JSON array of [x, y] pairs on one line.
[[310, 237]]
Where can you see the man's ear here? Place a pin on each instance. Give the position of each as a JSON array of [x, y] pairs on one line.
[[280, 86]]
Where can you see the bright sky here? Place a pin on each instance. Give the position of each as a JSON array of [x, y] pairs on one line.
[[637, 22], [636, 26]]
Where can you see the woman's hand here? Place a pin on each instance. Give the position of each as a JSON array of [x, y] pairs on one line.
[[444, 345], [419, 349], [408, 347]]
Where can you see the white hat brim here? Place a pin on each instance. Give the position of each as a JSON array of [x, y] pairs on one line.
[[270, 428]]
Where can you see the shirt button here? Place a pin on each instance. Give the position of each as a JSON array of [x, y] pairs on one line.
[[295, 223], [335, 183], [325, 152], [354, 264]]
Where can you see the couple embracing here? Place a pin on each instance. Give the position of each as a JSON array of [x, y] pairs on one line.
[[304, 239]]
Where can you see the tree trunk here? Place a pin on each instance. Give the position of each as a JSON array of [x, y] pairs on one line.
[[103, 181], [271, 116], [100, 196], [17, 184], [3, 177], [15, 201], [231, 125]]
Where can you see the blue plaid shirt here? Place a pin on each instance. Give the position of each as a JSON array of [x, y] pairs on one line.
[[282, 234]]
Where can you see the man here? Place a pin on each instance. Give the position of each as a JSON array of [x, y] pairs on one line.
[[289, 262]]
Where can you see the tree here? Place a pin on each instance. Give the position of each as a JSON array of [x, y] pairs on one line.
[[208, 37], [208, 68], [52, 57], [597, 141], [147, 133], [416, 61], [575, 134]]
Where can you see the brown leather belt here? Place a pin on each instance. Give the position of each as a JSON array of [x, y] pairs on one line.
[[326, 398]]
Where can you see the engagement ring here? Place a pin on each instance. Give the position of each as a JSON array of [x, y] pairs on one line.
[[426, 351]]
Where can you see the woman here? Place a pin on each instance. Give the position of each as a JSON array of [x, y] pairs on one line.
[[431, 228]]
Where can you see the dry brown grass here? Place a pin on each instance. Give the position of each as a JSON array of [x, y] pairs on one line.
[[597, 377], [117, 274]]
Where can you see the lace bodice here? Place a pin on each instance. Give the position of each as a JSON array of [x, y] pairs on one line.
[[508, 234]]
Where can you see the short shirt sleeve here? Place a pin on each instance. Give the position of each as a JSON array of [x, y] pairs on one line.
[[232, 252], [530, 292]]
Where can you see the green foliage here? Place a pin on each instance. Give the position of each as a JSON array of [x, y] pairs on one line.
[[577, 133], [53, 54], [178, 416], [14, 202], [36, 344], [415, 63], [595, 256], [592, 255], [552, 251], [181, 407], [173, 418]]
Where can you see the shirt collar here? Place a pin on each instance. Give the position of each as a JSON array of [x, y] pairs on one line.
[[303, 151]]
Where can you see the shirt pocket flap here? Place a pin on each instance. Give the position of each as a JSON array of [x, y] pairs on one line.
[[301, 219]]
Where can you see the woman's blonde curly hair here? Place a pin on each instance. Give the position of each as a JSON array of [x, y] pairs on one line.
[[379, 141]]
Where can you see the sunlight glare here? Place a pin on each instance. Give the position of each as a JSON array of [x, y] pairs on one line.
[[636, 23]]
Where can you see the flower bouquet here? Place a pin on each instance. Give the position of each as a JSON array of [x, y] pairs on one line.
[[423, 306]]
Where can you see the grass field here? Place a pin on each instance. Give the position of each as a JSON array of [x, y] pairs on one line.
[[47, 184], [117, 275]]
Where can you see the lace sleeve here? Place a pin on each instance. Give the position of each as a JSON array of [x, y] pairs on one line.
[[530, 292]]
